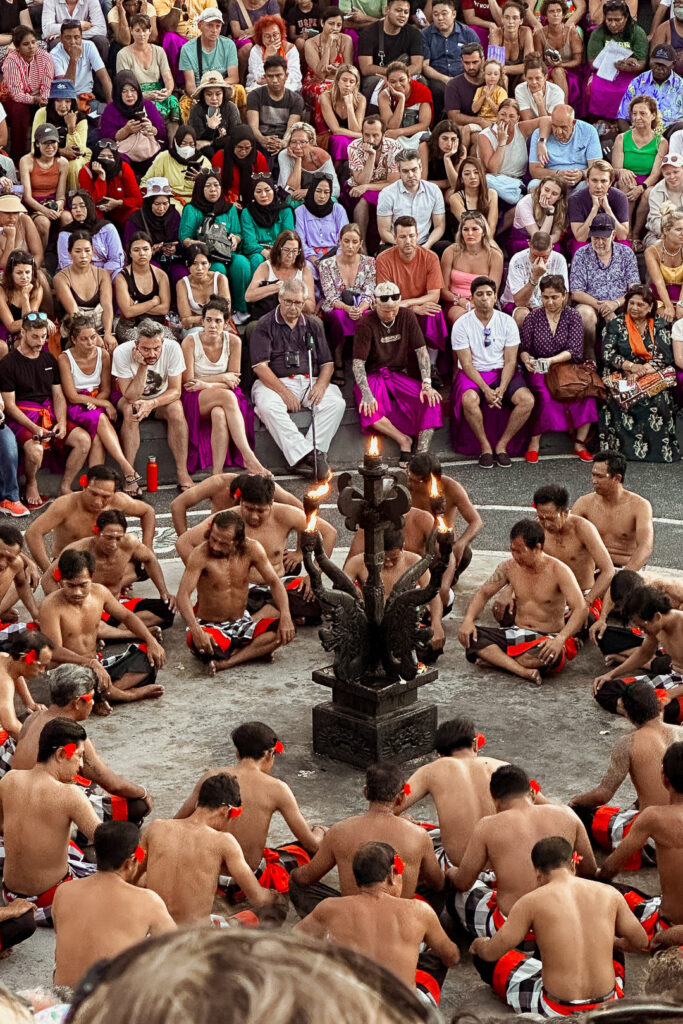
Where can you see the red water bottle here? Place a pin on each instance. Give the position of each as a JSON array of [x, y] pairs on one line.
[[152, 473]]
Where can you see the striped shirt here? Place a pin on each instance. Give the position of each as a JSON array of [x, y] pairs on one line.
[[24, 79]]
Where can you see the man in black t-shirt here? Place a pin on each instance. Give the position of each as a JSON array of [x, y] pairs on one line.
[[272, 108], [35, 407], [387, 40]]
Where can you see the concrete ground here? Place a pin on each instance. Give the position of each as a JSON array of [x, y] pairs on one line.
[[557, 732]]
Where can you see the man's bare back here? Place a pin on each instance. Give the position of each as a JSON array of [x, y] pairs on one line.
[[647, 748], [620, 524], [418, 528], [97, 918]]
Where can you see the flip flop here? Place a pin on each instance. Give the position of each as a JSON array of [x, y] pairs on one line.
[[33, 506], [338, 377], [404, 458]]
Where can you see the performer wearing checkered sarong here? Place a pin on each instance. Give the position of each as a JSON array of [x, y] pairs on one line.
[[576, 922]]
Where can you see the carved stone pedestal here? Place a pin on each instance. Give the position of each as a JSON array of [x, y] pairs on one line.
[[371, 721]]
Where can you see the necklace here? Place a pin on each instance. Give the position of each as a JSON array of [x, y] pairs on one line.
[[387, 327], [671, 254]]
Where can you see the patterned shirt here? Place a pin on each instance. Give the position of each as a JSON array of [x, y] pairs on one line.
[[540, 342], [332, 283], [385, 163], [24, 79], [604, 282], [668, 96]]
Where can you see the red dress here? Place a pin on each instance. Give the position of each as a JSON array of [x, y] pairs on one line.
[[233, 193], [122, 186]]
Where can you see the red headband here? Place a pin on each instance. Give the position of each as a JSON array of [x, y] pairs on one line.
[[534, 786], [279, 747], [31, 625], [95, 528], [576, 857], [662, 697], [30, 657], [69, 750], [87, 697], [84, 481], [479, 740], [406, 789], [57, 576], [398, 865], [139, 854], [234, 812], [237, 493]]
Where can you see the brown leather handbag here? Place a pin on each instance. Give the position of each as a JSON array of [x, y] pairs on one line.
[[571, 382]]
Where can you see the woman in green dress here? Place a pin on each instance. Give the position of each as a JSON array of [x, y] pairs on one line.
[[195, 226], [263, 219], [636, 344]]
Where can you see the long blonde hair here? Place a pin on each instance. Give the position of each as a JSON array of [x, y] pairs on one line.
[[487, 240], [335, 94]]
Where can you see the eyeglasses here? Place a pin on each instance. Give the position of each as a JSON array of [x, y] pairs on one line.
[[394, 297], [290, 251], [31, 318], [487, 337]]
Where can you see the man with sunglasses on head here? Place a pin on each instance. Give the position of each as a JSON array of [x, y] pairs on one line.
[[393, 391], [35, 408], [486, 342]]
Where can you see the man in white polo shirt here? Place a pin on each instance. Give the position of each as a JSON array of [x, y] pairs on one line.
[[525, 272], [491, 403], [410, 196]]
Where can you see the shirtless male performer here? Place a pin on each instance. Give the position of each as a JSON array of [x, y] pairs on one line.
[[637, 755], [542, 639], [14, 585], [617, 642], [383, 927], [222, 632], [256, 746], [623, 519], [664, 825], [120, 559], [184, 857], [398, 560], [269, 523], [72, 689], [37, 810], [385, 792], [455, 501], [72, 516], [458, 783], [575, 923], [71, 616], [96, 918], [220, 491], [28, 657], [650, 612], [503, 841]]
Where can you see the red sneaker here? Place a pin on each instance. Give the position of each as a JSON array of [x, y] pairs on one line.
[[13, 508], [531, 456]]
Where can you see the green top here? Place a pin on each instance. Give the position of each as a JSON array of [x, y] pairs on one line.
[[640, 161], [638, 45], [255, 238], [192, 217]]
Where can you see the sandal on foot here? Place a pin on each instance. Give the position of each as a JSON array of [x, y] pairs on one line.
[[338, 377], [404, 458], [131, 486]]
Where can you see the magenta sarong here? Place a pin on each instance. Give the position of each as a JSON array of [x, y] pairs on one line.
[[398, 398], [89, 419], [550, 414], [495, 420], [199, 429], [604, 98], [172, 44], [339, 146], [433, 326], [339, 326]]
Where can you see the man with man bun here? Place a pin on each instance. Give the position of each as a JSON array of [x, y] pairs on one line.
[[389, 930], [96, 918]]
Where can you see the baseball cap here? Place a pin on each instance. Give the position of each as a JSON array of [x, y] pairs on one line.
[[46, 133], [673, 160], [210, 14], [602, 226], [663, 54]]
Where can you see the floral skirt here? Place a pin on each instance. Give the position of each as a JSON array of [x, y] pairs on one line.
[[168, 108], [646, 432]]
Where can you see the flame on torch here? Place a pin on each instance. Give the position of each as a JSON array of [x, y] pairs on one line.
[[312, 524], [441, 524], [322, 490], [374, 445], [434, 487]]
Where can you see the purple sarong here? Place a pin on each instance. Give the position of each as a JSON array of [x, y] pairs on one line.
[[604, 98], [199, 429], [339, 146], [340, 326], [89, 419], [398, 398], [433, 326], [576, 84], [172, 44], [495, 420], [550, 414]]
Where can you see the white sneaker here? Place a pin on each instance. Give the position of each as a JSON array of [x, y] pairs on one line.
[[240, 318]]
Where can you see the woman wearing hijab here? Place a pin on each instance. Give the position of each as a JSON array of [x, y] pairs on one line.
[[133, 122], [319, 221], [208, 215], [237, 161], [180, 164], [71, 124], [263, 219], [111, 183], [107, 251], [214, 116], [159, 219]]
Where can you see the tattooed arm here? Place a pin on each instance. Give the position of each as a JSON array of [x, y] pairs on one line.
[[368, 404], [494, 583]]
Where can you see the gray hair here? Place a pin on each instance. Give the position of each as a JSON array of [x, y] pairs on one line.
[[149, 328], [405, 155], [70, 681], [291, 285]]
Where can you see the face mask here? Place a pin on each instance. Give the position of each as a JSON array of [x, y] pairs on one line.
[[106, 161], [186, 152], [678, 13]]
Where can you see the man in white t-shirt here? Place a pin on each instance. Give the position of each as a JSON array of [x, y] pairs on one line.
[[525, 272], [148, 373], [486, 343]]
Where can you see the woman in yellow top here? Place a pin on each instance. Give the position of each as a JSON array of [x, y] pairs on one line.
[[71, 123], [664, 262], [179, 164]]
